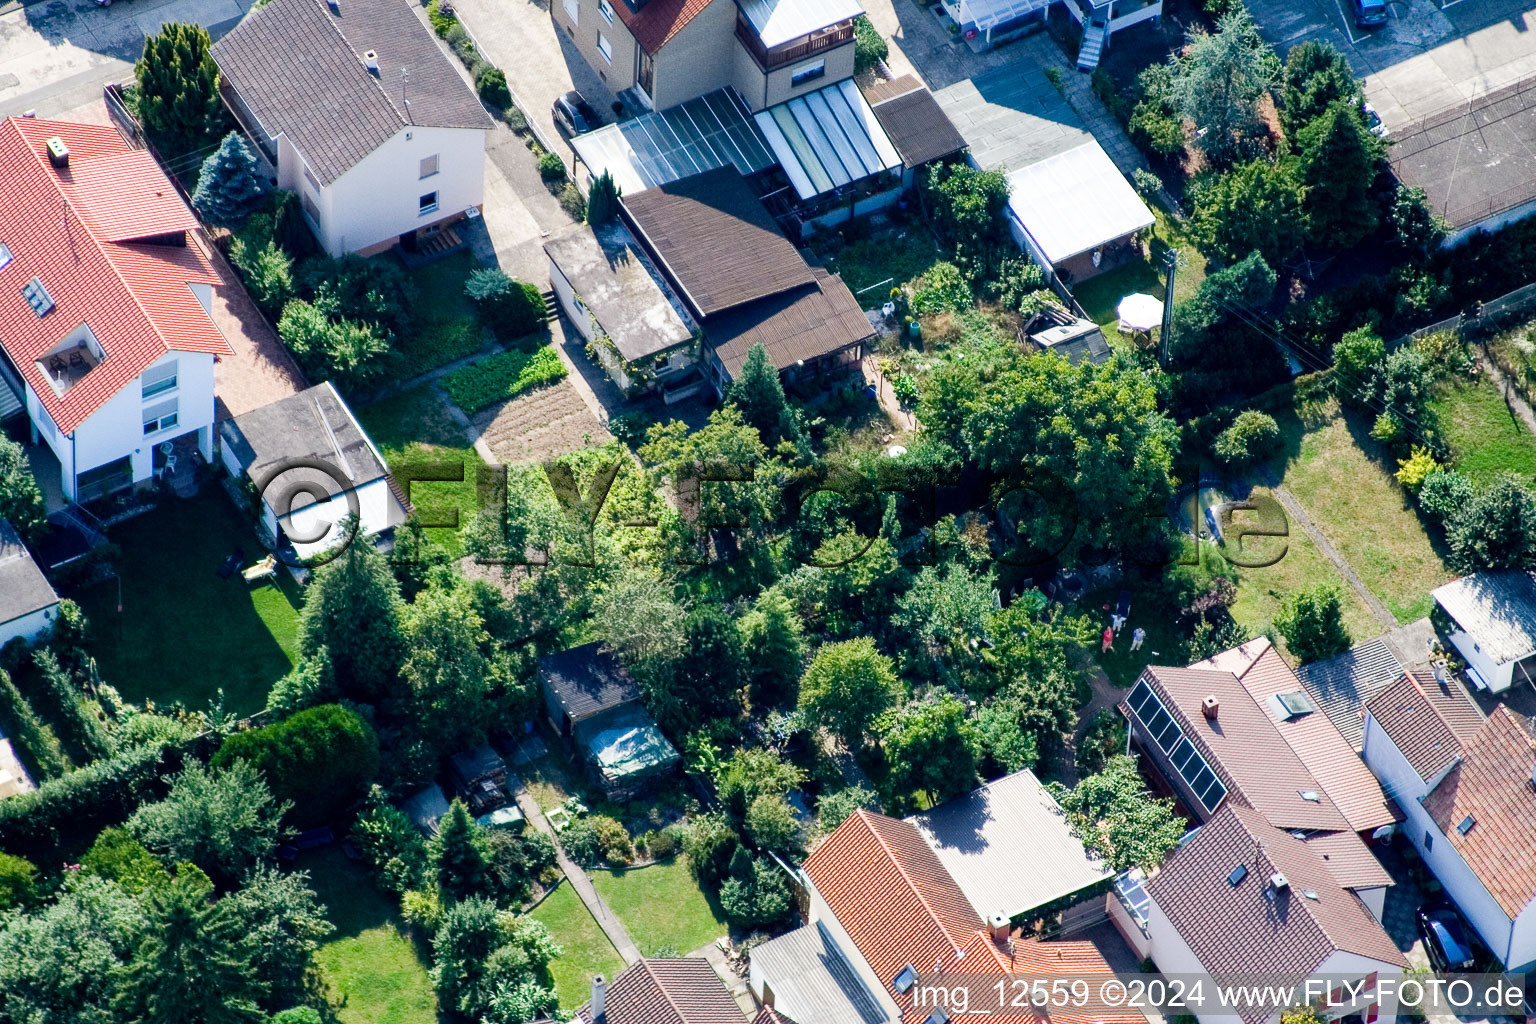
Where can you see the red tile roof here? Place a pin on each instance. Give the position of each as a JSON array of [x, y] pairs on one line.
[[667, 990], [1313, 737], [1492, 786], [1428, 721], [655, 23], [76, 230]]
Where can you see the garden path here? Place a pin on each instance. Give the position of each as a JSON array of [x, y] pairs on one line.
[[606, 919], [1105, 695], [1516, 401]]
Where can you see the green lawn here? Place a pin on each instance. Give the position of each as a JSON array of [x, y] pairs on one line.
[[184, 632], [1100, 295], [662, 906], [587, 950], [413, 430], [372, 970], [444, 327], [1485, 437], [1344, 481]]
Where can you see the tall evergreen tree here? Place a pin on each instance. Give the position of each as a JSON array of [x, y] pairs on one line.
[[460, 862], [603, 199], [352, 609], [759, 394], [1218, 81], [774, 639], [1339, 163], [179, 89], [230, 183], [1316, 77]]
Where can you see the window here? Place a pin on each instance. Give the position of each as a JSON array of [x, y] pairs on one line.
[[1158, 724], [1429, 841], [160, 417], [905, 979], [807, 73], [314, 182], [606, 10], [1238, 874], [427, 204], [157, 380], [1466, 824], [573, 11], [5, 255], [37, 297], [605, 47], [428, 166]]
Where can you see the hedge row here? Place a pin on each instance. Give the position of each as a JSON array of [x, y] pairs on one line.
[[78, 722], [36, 746], [501, 377]]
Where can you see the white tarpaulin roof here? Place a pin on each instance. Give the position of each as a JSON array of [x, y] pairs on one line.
[[1075, 201], [777, 22], [827, 139]]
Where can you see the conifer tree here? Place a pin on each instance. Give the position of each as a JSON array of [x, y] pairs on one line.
[[229, 184], [178, 101]]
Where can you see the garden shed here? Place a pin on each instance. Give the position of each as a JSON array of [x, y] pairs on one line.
[[624, 750]]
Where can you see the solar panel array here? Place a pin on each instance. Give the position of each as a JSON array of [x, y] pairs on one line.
[[1170, 739]]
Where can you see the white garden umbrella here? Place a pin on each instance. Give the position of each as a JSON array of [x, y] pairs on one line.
[[1139, 312]]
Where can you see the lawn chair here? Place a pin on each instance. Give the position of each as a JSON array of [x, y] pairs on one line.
[[261, 570]]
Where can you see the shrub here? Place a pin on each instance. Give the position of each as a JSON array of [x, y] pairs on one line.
[[942, 290], [297, 1015], [1496, 529], [551, 167], [80, 723], [373, 291], [117, 856], [772, 824], [630, 427], [613, 839], [1444, 492], [869, 46], [422, 909], [835, 808], [516, 119], [1312, 622], [905, 387], [582, 843], [603, 199], [1419, 466], [511, 308], [572, 202], [349, 353], [319, 758], [441, 20], [659, 844], [710, 843], [1253, 437], [18, 881], [502, 376], [1146, 182], [268, 273], [38, 746]]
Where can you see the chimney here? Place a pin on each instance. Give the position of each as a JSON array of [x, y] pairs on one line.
[[371, 59], [1210, 706], [1438, 665], [58, 153], [599, 997], [998, 925], [1279, 882]]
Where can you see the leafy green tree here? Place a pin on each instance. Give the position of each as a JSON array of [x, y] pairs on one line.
[[966, 206], [1113, 815], [759, 393], [320, 758], [1312, 622], [832, 809], [64, 962], [944, 614], [457, 854], [1155, 124], [479, 954], [268, 273], [297, 1015], [117, 856], [756, 895], [1253, 208], [349, 353], [391, 844], [178, 100], [603, 199], [18, 882], [20, 500], [224, 821], [1245, 285], [773, 640], [1004, 743], [280, 924], [752, 772], [1340, 160], [513, 309], [453, 671], [1252, 437], [710, 843], [1031, 667], [929, 749], [846, 687], [1444, 493], [869, 46], [705, 680], [637, 616], [352, 611], [1496, 529], [189, 967], [1417, 230], [1217, 83], [520, 1001], [1401, 388], [772, 825], [1316, 76], [230, 184], [1355, 358]]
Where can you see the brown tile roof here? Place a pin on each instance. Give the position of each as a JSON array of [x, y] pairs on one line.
[[1245, 749], [983, 955], [654, 24], [794, 326], [768, 1015], [1348, 859], [913, 120], [1235, 929], [716, 241], [299, 69], [1492, 786], [1327, 755], [1428, 721], [685, 990]]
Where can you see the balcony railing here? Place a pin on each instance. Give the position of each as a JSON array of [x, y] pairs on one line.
[[817, 42]]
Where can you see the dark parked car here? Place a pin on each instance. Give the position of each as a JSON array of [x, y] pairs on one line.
[[1370, 13], [574, 115], [1447, 938]]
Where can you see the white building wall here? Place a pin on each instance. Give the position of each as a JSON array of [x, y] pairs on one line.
[[1404, 785], [317, 520], [30, 626], [1522, 943], [1497, 677], [1354, 966], [378, 199]]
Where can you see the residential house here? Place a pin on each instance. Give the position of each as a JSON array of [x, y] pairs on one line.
[[1241, 897], [977, 838], [28, 604], [593, 703], [1468, 787], [1069, 206], [1341, 685], [312, 465], [986, 23], [105, 308], [745, 283], [658, 53], [616, 299], [882, 908], [661, 990], [1493, 625], [1238, 729], [365, 116]]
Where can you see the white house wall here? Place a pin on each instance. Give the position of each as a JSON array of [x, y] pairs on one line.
[[318, 519], [1498, 677], [1402, 783], [29, 626], [1354, 966], [1522, 943]]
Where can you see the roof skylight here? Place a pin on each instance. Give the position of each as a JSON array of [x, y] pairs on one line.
[[37, 297], [5, 255]]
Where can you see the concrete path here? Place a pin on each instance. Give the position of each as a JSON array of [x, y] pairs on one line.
[[1077, 87], [606, 919]]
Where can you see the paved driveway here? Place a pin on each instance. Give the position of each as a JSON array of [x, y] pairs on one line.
[[57, 54]]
